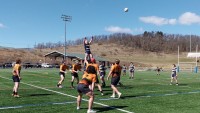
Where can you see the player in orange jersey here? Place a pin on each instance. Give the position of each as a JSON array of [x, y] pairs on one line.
[[74, 72], [86, 86], [63, 68], [115, 72], [16, 77]]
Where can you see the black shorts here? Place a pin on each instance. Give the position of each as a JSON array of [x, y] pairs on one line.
[[102, 74], [173, 75], [97, 80], [115, 80], [15, 78], [131, 71], [88, 52], [82, 88], [62, 73], [75, 74], [124, 71]]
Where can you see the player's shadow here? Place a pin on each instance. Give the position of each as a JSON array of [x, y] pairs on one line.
[[106, 89], [104, 93], [127, 87], [102, 109], [132, 96], [183, 84], [39, 95]]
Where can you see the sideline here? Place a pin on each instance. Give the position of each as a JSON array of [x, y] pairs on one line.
[[122, 110]]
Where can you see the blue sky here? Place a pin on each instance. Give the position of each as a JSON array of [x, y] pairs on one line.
[[26, 22]]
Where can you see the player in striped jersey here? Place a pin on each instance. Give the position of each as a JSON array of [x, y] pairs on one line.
[[124, 69], [102, 71], [174, 75], [131, 71], [87, 47]]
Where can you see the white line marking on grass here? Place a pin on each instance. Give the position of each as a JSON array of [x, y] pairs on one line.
[[71, 96], [109, 99], [34, 81], [185, 86], [12, 107], [31, 105], [64, 103]]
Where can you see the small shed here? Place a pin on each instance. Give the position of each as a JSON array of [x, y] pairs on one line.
[[69, 56]]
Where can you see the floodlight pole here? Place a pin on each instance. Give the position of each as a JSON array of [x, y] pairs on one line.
[[178, 60], [66, 18], [190, 43]]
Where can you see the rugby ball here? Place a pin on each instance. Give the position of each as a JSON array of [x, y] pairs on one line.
[[125, 9]]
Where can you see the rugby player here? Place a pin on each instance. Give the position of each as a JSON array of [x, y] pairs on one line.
[[102, 71], [131, 71], [16, 77], [86, 86], [92, 62], [174, 74], [63, 68], [124, 69], [87, 47], [74, 72], [115, 72]]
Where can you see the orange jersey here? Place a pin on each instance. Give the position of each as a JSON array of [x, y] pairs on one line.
[[76, 67], [116, 70], [63, 67], [96, 66], [16, 68], [87, 79]]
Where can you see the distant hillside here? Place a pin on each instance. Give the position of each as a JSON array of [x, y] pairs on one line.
[[108, 51], [11, 54], [148, 41]]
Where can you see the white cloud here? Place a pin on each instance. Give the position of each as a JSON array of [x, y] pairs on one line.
[[157, 20], [172, 21], [116, 29], [189, 18], [1, 25], [139, 30]]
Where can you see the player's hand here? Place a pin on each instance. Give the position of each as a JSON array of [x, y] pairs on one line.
[[20, 78], [107, 78]]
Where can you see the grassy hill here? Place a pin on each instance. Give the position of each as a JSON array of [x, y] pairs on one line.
[[108, 51]]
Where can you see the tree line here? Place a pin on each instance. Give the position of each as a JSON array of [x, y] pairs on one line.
[[148, 41]]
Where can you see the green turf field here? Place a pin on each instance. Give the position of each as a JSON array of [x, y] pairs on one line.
[[147, 93]]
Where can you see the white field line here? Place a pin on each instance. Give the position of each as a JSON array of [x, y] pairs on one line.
[[71, 96], [43, 104], [12, 107]]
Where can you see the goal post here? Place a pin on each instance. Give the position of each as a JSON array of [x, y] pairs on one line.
[[188, 65]]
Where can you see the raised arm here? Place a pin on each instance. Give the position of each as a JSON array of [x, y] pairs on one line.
[[84, 40], [91, 40]]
